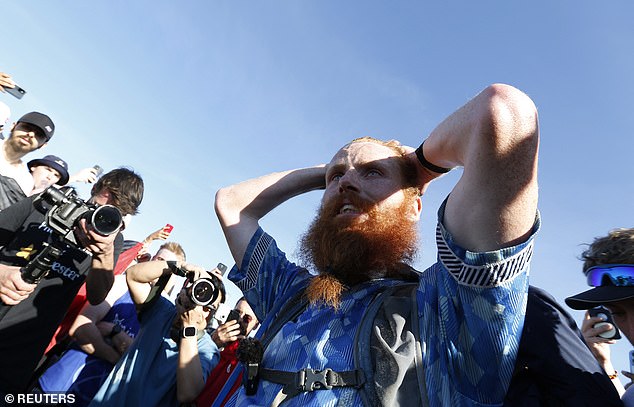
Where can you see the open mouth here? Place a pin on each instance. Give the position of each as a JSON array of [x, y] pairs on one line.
[[348, 209]]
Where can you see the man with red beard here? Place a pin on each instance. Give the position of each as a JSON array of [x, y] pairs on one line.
[[453, 341]]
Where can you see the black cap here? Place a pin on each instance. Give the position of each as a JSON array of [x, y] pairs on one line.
[[40, 120], [54, 162], [600, 295]]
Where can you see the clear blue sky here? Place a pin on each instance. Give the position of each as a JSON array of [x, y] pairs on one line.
[[196, 95]]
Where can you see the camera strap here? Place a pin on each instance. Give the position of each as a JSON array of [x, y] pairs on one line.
[[156, 290]]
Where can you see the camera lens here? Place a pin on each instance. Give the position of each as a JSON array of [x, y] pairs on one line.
[[106, 220], [203, 292]]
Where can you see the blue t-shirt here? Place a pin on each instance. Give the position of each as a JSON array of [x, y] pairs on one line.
[[471, 311], [146, 374]]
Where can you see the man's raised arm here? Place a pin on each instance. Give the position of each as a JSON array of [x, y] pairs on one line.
[[495, 137], [240, 207]]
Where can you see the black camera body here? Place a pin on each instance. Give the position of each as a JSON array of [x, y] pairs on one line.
[[67, 209], [202, 291]]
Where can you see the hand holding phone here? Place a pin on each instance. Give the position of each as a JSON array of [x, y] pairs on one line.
[[98, 170], [234, 315], [222, 313], [605, 314]]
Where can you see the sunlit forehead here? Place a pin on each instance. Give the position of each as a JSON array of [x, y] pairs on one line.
[[360, 153]]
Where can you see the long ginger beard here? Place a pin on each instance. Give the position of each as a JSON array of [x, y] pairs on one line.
[[349, 252]]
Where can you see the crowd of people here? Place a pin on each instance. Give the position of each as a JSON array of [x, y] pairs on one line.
[[88, 318]]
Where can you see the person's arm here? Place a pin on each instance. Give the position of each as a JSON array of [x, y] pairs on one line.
[[101, 275], [600, 347], [85, 175], [159, 234], [190, 379], [6, 81], [13, 289], [85, 331], [495, 138], [139, 275], [240, 207]]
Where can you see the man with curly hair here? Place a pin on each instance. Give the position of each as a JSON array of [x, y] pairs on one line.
[[608, 264]]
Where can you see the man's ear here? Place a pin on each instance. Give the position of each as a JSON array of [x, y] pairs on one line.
[[416, 208]]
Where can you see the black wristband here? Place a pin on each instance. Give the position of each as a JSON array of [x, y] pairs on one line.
[[175, 269], [427, 164]]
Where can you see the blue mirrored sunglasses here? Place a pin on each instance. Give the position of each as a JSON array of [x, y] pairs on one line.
[[620, 275]]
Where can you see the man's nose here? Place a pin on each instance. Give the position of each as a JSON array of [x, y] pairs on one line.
[[349, 181]]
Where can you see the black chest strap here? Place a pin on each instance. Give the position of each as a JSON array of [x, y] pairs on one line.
[[310, 380]]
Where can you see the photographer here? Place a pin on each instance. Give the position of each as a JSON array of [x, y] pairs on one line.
[[36, 309], [102, 333], [172, 354], [226, 377]]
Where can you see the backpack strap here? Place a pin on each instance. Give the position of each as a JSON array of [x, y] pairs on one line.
[[289, 311], [422, 384], [310, 380]]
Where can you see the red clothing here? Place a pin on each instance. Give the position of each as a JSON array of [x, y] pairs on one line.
[[124, 261], [218, 378]]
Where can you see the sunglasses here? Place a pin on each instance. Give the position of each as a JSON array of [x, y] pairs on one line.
[[619, 275]]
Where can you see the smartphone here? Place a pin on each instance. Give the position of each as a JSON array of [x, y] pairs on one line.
[[17, 91], [234, 315], [604, 313], [222, 313], [631, 361], [222, 268], [98, 170], [168, 228]]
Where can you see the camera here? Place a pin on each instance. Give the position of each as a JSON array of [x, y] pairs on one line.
[[604, 313], [202, 291], [66, 209]]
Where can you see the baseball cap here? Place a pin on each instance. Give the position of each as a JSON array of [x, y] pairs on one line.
[[40, 120], [612, 282], [54, 162]]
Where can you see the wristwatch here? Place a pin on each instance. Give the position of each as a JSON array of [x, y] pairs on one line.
[[116, 328], [189, 331]]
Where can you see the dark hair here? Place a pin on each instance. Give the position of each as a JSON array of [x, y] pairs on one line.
[[217, 282], [126, 188], [615, 248]]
